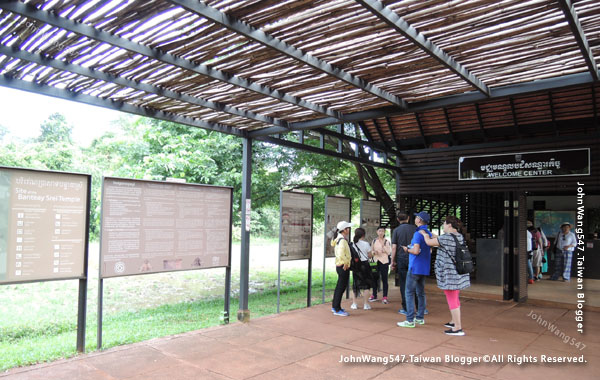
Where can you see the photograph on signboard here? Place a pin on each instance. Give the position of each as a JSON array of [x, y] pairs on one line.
[[337, 209], [370, 218], [150, 227], [43, 225], [296, 226]]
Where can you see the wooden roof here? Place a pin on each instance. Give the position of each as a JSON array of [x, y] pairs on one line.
[[246, 65]]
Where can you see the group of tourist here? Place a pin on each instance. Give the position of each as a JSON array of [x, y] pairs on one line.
[[409, 253], [538, 244]]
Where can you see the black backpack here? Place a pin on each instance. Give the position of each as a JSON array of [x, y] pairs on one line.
[[462, 258], [354, 257]]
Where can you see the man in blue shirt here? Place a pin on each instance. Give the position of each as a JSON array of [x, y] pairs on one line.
[[419, 263]]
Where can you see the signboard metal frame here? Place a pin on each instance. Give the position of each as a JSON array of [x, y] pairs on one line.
[[82, 292], [325, 235], [281, 205], [227, 267]]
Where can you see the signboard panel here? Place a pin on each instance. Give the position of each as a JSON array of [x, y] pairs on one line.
[[370, 218], [296, 226], [556, 163], [43, 225], [337, 209], [150, 227]]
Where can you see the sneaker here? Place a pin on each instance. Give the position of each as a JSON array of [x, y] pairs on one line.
[[367, 307], [385, 300], [457, 332], [373, 299], [530, 281], [420, 321], [341, 313], [406, 324], [426, 312], [402, 311], [353, 306], [540, 276], [333, 310], [449, 325]]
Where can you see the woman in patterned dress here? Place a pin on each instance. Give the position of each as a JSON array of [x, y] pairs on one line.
[[448, 278]]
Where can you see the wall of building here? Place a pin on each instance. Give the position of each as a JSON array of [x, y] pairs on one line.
[[435, 171]]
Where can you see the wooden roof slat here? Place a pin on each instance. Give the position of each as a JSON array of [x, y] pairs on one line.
[[274, 43]]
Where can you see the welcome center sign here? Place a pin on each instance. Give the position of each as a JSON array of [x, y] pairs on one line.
[[555, 163]]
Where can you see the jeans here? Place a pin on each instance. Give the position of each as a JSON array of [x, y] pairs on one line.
[[415, 283], [402, 274], [529, 270], [340, 287], [382, 271]]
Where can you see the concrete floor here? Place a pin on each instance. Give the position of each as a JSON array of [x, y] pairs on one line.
[[542, 293], [308, 344]]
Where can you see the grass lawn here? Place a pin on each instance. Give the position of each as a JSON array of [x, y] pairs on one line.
[[38, 321]]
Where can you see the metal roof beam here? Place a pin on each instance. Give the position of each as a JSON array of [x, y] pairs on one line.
[[109, 78], [447, 101], [379, 134], [571, 16], [514, 117], [421, 130], [370, 144], [231, 23], [19, 84], [449, 124], [391, 130], [30, 11], [314, 149], [390, 17], [480, 121]]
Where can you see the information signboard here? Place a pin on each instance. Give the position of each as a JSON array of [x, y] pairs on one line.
[[43, 225], [296, 226], [150, 227], [370, 218], [337, 209]]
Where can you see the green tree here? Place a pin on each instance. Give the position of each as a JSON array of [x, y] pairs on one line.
[[55, 129]]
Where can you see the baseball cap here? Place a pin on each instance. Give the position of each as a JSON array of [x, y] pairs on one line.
[[423, 215], [343, 225]]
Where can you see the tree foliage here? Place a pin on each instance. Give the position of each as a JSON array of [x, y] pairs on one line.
[[151, 149]]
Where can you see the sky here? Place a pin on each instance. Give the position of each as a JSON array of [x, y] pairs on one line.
[[23, 112]]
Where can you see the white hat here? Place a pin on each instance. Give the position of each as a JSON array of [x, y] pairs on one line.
[[343, 225]]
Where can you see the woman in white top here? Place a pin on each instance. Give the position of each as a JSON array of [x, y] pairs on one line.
[[362, 279]]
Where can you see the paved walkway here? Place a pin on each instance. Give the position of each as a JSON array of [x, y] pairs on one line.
[[308, 344]]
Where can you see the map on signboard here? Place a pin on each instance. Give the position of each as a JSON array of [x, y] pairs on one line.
[[43, 225], [550, 221]]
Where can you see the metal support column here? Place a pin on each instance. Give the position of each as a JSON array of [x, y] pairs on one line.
[[243, 312], [507, 239]]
